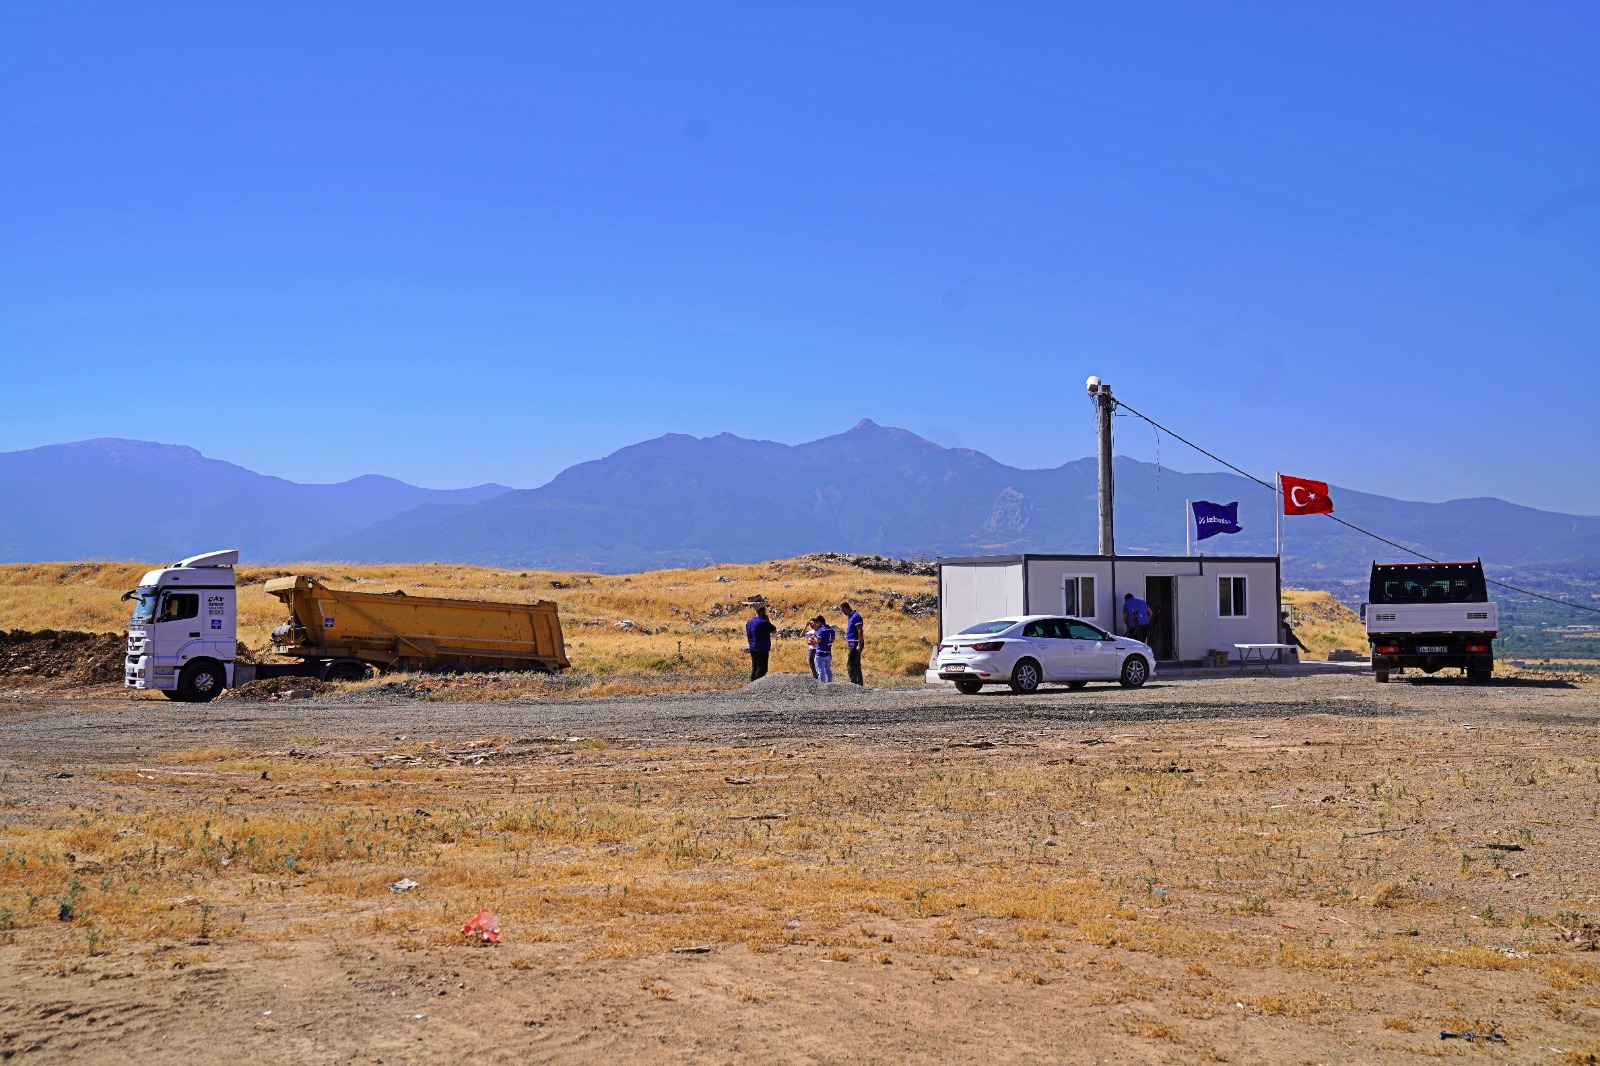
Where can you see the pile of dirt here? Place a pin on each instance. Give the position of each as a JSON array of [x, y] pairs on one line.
[[916, 567], [794, 687], [277, 688], [62, 656]]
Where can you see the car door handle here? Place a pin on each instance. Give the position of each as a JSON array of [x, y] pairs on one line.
[[194, 634]]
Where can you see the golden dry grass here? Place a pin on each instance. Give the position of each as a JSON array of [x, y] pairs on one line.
[[1208, 874], [1323, 623], [683, 621]]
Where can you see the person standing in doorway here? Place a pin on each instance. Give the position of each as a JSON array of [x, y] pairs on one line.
[[758, 641], [856, 639], [1135, 617], [823, 658]]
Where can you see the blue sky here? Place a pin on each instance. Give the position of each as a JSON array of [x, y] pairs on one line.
[[469, 242]]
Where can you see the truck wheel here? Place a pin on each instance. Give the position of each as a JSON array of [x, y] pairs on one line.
[[1480, 677], [1381, 676], [201, 681], [347, 672], [969, 688], [1025, 677]]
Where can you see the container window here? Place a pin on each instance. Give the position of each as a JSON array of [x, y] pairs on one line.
[[1231, 598]]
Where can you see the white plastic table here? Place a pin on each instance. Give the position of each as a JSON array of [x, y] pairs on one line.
[[1264, 654]]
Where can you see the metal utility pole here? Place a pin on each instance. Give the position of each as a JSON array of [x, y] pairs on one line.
[[1100, 392]]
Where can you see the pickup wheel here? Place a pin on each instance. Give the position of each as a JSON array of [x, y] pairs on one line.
[[201, 681], [969, 688]]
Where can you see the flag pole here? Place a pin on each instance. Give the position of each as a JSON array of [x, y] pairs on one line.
[[1277, 496], [1188, 520]]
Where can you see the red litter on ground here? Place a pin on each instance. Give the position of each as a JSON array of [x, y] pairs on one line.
[[485, 928]]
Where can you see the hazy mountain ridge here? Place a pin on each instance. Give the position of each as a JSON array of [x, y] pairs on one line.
[[122, 499], [680, 500], [686, 501]]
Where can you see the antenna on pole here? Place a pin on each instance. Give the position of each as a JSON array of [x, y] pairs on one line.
[[1100, 393]]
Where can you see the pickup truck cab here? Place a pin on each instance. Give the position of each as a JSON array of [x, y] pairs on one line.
[[1430, 617]]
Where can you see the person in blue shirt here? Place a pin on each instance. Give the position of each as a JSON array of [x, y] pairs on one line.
[[758, 641], [824, 650], [1135, 616], [856, 639]]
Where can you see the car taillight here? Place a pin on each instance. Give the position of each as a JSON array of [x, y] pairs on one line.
[[1481, 649], [1387, 649], [989, 645]]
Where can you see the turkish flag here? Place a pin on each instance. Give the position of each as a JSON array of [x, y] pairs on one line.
[[1304, 497]]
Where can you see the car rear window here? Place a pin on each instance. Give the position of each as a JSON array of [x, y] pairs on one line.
[[989, 627]]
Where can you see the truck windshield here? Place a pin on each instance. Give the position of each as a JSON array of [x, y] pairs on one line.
[[144, 608], [1436, 583]]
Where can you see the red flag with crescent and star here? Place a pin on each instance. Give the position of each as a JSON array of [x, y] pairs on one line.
[[1304, 497]]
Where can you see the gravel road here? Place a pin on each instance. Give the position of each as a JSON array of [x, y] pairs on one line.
[[36, 730]]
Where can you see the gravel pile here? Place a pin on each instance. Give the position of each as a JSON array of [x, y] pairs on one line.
[[276, 688], [796, 687]]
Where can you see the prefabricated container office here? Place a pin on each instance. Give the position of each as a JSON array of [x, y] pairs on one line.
[[1198, 603]]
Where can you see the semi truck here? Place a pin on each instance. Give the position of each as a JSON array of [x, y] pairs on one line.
[[1430, 617], [183, 636]]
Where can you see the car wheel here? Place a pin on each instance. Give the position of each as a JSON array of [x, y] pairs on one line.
[[1381, 676], [1076, 684], [1135, 672], [1025, 677], [969, 688], [201, 681]]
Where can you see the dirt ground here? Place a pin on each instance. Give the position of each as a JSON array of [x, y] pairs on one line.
[[1235, 870]]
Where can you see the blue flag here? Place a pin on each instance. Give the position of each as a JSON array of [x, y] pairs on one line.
[[1213, 518]]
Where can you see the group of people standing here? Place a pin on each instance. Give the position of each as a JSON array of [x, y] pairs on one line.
[[819, 637]]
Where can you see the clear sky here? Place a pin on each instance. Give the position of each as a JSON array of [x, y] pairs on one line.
[[463, 242]]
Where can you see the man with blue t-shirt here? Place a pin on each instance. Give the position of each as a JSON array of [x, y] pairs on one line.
[[1135, 616], [857, 641], [758, 641]]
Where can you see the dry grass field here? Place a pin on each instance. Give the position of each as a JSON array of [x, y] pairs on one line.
[[661, 624], [1312, 889], [670, 630]]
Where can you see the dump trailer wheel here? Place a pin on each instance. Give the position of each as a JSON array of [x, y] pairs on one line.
[[348, 671], [201, 681]]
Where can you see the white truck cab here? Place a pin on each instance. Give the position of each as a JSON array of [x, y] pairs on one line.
[[183, 637]]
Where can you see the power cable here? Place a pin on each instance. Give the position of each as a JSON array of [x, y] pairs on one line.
[[1342, 522]]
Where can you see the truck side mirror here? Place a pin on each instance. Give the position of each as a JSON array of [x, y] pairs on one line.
[[1363, 612]]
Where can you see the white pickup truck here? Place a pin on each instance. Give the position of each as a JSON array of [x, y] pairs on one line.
[[1430, 617]]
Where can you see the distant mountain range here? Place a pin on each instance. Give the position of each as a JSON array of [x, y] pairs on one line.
[[687, 501], [129, 499]]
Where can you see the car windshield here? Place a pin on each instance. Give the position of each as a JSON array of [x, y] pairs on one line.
[[144, 608], [988, 627]]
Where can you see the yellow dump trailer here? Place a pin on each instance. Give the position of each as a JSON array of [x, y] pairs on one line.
[[400, 632]]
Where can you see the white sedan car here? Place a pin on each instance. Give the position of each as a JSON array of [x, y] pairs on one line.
[[1027, 651]]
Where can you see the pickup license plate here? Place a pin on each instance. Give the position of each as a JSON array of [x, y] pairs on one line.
[[1432, 649]]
